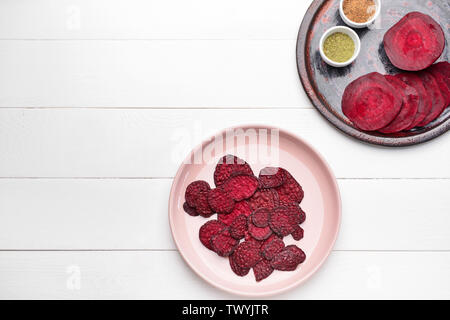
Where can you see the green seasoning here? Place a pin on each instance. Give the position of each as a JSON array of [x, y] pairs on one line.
[[339, 47]]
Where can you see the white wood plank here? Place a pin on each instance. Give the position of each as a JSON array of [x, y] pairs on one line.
[[132, 214], [171, 73], [164, 275], [151, 19], [152, 143]]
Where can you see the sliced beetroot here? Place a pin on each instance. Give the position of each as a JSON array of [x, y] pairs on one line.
[[415, 42], [241, 207], [442, 67], [247, 254], [265, 198], [296, 214], [223, 244], [241, 187], [193, 191], [410, 105], [288, 259], [262, 270], [370, 102], [229, 166], [283, 221], [208, 230], [239, 227], [270, 249], [240, 271], [298, 233], [220, 201], [290, 191], [190, 210], [442, 81], [436, 96], [259, 233], [271, 177], [425, 102], [260, 217]]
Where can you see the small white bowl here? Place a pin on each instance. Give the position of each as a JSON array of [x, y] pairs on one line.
[[356, 24], [352, 35]]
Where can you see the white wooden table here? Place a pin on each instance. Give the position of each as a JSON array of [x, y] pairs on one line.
[[94, 99]]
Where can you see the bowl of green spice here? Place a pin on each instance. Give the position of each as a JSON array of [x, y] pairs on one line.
[[339, 46]]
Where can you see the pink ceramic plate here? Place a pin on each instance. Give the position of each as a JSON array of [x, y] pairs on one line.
[[260, 146]]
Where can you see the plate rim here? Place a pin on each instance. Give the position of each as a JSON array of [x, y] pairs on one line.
[[318, 104], [335, 187]]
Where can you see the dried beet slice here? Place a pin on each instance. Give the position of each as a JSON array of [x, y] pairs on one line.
[[282, 221], [442, 81], [296, 214], [240, 271], [271, 177], [265, 198], [415, 42], [290, 191], [259, 233], [190, 210], [262, 270], [220, 201], [247, 254], [288, 259], [208, 230], [241, 187], [229, 166], [370, 102], [270, 249], [298, 233], [410, 105], [241, 207], [260, 217], [223, 244], [425, 102], [436, 96], [193, 190], [239, 227]]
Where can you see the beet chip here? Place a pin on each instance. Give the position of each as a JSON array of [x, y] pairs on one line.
[[223, 244], [230, 166], [297, 234], [259, 233], [260, 217], [270, 249], [238, 227], [241, 272], [193, 191], [290, 191], [190, 210], [288, 259], [241, 187], [220, 201], [208, 230], [241, 207], [262, 270], [247, 254], [282, 221], [265, 198], [271, 177]]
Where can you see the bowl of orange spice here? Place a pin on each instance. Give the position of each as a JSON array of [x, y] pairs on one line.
[[359, 13]]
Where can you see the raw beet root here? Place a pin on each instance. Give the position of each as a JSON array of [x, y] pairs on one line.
[[288, 259], [297, 234], [241, 207], [259, 233], [290, 191], [271, 177], [247, 254], [410, 105], [262, 270], [240, 271], [370, 102], [437, 98], [260, 217], [270, 249], [220, 201], [425, 102], [415, 42], [223, 244], [208, 230], [190, 210], [240, 187], [230, 166], [265, 198], [442, 81], [238, 227]]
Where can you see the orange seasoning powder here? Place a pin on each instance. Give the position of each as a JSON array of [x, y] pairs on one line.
[[359, 11]]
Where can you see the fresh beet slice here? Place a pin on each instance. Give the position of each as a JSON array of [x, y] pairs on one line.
[[260, 217], [436, 96], [442, 81], [220, 201], [241, 207], [241, 187], [247, 254], [425, 102], [259, 233], [415, 42], [262, 270], [290, 191], [265, 198], [229, 166], [271, 177], [288, 259], [410, 105], [283, 221], [190, 210], [269, 250], [298, 233], [194, 190], [370, 102], [239, 227], [240, 271], [223, 244], [208, 230]]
